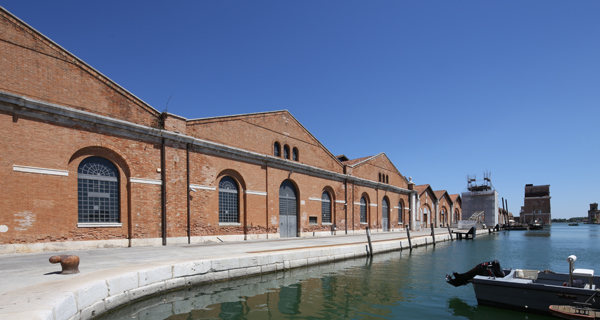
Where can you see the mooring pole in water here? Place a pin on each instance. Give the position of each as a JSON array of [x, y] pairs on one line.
[[432, 234], [369, 239], [408, 234], [449, 232]]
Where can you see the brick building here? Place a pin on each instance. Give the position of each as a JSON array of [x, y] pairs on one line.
[[536, 204], [593, 213], [456, 208], [87, 164]]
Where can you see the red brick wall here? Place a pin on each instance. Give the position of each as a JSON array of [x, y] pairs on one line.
[[380, 165], [34, 67], [259, 132], [50, 202]]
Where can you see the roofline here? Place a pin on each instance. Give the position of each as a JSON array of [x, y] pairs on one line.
[[238, 115], [367, 159], [291, 115], [76, 58]]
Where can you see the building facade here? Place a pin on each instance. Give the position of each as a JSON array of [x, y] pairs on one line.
[[536, 204], [87, 164]]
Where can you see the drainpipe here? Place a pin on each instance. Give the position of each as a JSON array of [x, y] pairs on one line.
[[346, 206], [267, 198], [353, 191], [163, 188], [189, 230], [436, 205]]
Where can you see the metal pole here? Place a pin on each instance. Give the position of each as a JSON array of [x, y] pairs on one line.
[[507, 217], [163, 196], [189, 229], [503, 211]]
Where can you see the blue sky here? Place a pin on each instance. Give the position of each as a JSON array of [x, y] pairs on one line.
[[444, 88]]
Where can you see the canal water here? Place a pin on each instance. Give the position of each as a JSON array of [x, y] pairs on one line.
[[403, 284]]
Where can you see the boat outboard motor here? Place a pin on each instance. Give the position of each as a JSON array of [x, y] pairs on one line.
[[490, 268]]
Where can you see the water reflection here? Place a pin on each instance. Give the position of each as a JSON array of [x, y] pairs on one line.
[[408, 285], [464, 310]]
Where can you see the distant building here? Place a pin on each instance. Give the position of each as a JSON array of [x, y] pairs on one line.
[[593, 213], [480, 201], [536, 204]]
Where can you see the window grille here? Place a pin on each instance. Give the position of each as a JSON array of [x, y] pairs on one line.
[[400, 211], [277, 149], [286, 152], [97, 191], [228, 200], [363, 210], [325, 207]]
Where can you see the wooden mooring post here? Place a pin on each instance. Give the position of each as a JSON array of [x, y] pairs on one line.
[[432, 234], [408, 234], [449, 232], [369, 239]]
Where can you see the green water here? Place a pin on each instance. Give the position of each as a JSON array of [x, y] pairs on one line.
[[403, 284]]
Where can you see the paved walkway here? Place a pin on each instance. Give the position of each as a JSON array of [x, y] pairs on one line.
[[30, 284]]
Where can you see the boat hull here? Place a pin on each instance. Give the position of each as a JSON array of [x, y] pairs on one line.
[[528, 296]]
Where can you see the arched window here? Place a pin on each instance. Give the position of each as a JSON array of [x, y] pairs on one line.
[[97, 191], [295, 154], [325, 207], [387, 179], [286, 151], [400, 210], [228, 200], [380, 177], [277, 149], [363, 210]]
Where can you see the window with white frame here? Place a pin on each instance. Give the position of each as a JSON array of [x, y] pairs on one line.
[[326, 207], [228, 201], [97, 191], [363, 210]]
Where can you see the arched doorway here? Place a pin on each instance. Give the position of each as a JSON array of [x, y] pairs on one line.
[[385, 214], [288, 210], [426, 212], [443, 217]]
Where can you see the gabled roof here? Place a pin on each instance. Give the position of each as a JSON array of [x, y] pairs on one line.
[[192, 122], [441, 193], [353, 162], [360, 161], [423, 188], [454, 197], [68, 56]]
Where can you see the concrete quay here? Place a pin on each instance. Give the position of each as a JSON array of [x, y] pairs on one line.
[[32, 288]]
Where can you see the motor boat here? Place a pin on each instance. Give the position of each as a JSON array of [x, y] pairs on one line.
[[529, 290]]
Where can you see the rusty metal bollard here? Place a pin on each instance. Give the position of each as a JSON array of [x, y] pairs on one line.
[[69, 264]]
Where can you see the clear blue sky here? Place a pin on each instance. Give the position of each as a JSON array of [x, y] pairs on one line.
[[444, 88]]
